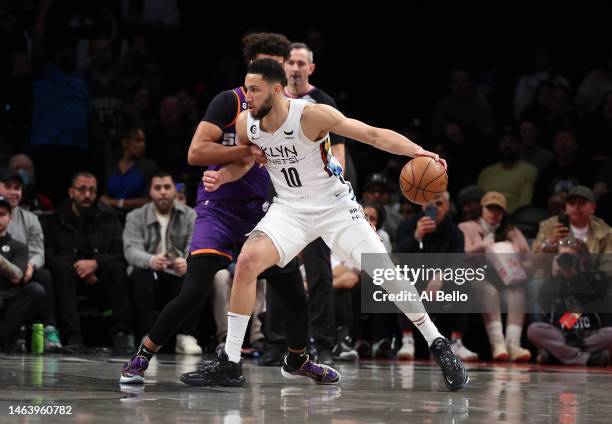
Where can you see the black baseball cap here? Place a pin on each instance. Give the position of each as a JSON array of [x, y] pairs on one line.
[[7, 174], [376, 180]]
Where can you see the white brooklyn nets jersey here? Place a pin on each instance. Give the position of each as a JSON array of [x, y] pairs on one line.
[[298, 166]]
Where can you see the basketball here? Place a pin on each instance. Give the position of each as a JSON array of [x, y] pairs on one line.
[[423, 180]]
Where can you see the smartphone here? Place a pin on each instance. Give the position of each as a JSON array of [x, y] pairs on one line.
[[431, 211], [564, 220], [171, 257]]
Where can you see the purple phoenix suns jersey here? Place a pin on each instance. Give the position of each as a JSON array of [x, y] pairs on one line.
[[254, 184]]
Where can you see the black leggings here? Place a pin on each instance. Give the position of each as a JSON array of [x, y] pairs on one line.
[[288, 286], [201, 270]]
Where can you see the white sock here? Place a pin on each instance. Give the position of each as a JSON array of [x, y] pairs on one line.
[[494, 330], [236, 329], [513, 334], [426, 326]]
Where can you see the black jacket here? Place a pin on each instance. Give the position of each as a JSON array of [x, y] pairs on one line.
[[447, 237], [102, 231]]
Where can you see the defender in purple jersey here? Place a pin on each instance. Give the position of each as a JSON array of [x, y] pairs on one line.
[[223, 220]]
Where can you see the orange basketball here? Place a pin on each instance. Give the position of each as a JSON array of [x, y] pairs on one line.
[[423, 180]]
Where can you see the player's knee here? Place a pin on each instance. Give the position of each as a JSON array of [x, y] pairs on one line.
[[250, 263]]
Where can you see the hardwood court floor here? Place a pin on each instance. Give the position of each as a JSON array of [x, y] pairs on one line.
[[370, 392]]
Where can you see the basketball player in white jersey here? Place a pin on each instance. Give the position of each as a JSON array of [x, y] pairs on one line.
[[291, 137]]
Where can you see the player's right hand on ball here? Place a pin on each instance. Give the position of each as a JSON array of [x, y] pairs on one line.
[[422, 152], [259, 155], [212, 180]]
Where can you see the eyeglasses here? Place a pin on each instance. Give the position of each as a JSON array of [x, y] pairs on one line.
[[84, 189]]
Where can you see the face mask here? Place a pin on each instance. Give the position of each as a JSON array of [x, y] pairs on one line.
[[25, 176]]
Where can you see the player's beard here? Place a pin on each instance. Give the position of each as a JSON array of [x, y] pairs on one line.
[[265, 108]]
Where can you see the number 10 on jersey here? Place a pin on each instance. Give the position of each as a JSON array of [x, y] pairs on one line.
[[292, 177]]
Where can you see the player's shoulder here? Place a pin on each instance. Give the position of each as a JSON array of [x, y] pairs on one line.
[[318, 111]]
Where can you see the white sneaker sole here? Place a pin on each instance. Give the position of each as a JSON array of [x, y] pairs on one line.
[[290, 376], [135, 379]]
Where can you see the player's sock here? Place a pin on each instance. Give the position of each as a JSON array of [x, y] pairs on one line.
[[236, 329], [494, 330], [296, 359], [144, 352], [426, 326], [513, 334]]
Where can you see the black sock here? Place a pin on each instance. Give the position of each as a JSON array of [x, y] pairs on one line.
[[296, 359], [144, 352]]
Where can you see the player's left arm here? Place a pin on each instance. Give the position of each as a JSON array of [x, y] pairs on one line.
[[232, 171], [323, 118]]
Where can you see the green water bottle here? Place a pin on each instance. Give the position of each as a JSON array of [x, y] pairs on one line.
[[38, 338]]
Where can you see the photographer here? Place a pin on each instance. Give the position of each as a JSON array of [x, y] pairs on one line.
[[573, 330]]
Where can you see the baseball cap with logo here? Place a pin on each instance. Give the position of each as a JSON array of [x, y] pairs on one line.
[[580, 191], [494, 198]]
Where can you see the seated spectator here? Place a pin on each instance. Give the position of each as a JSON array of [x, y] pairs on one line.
[[595, 83], [433, 231], [578, 335], [512, 177], [377, 190], [531, 151], [493, 227], [31, 200], [21, 301], [583, 225], [85, 255], [569, 168], [528, 83], [127, 178], [156, 242], [25, 228]]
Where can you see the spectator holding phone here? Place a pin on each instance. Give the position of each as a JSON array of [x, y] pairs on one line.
[[579, 221], [156, 242]]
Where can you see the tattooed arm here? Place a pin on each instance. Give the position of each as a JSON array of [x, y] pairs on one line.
[[10, 270]]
